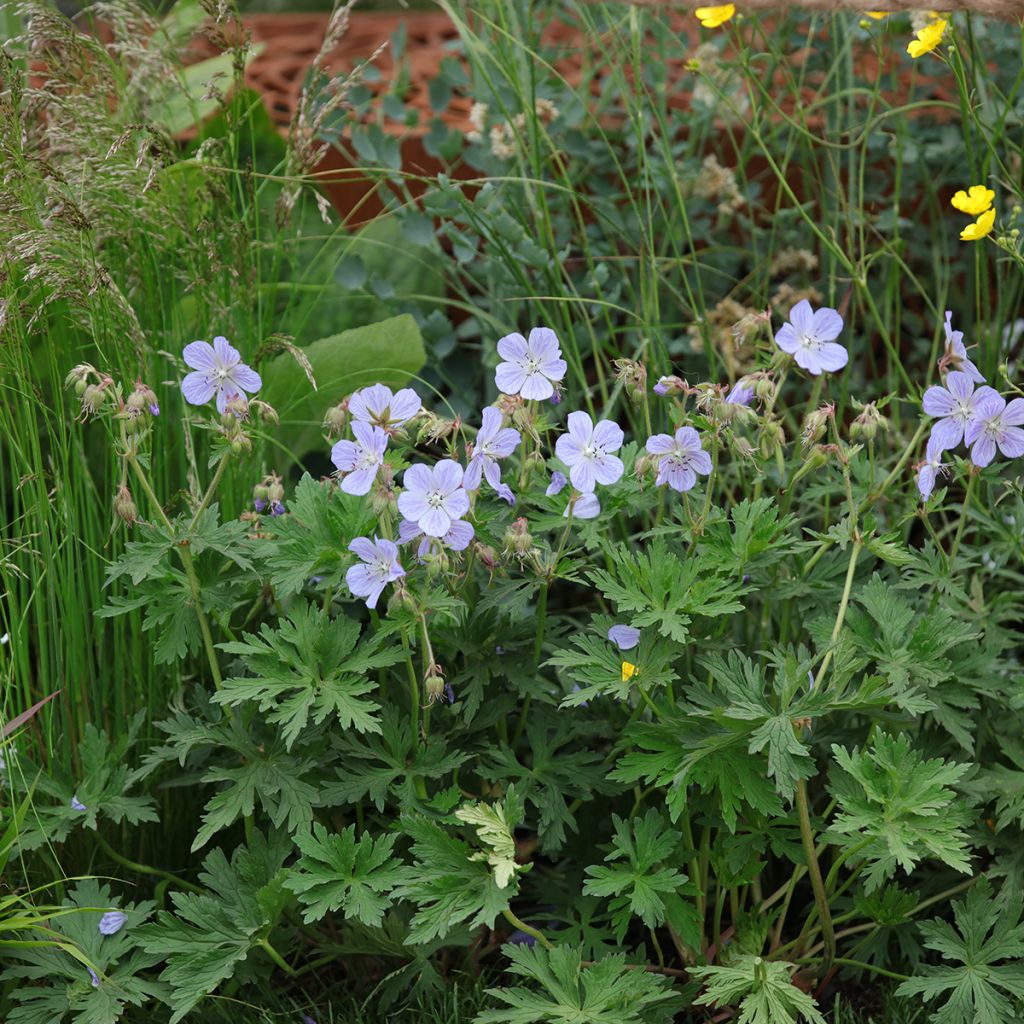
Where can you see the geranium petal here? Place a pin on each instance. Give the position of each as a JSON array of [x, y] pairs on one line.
[[200, 356], [198, 388]]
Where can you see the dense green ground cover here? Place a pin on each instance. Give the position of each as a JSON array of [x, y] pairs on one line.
[[802, 784]]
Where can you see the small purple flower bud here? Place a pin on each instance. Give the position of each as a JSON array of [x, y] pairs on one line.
[[277, 508], [624, 637], [520, 938], [94, 976], [558, 481], [306, 1019], [112, 922], [555, 399], [499, 650], [449, 693], [259, 504], [76, 804], [505, 493], [154, 409], [315, 581]]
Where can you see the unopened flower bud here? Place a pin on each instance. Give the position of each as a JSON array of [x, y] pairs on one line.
[[517, 538], [645, 465], [124, 506], [764, 388], [866, 426], [486, 555], [740, 446], [275, 489], [633, 376], [93, 398], [706, 396], [335, 419], [815, 425], [671, 385], [434, 684], [265, 411], [237, 408], [436, 428], [771, 438]]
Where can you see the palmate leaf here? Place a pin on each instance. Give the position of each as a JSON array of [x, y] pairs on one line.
[[210, 933], [897, 808], [337, 871], [53, 986], [309, 667], [635, 874], [755, 535], [762, 989], [602, 993], [982, 978], [667, 591], [452, 884], [104, 785]]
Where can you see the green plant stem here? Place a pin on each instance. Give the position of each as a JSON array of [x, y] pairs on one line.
[[524, 927], [963, 518], [814, 871], [142, 869], [844, 603], [275, 956], [190, 572], [538, 643], [414, 711], [210, 491]]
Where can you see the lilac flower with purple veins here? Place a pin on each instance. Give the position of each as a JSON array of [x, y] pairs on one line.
[[360, 459], [458, 538], [154, 409], [493, 442], [218, 370], [556, 398], [378, 568], [682, 458], [112, 922], [742, 393], [95, 977], [662, 387], [504, 492], [624, 637], [558, 481], [584, 506], [380, 407], [956, 352], [77, 805], [277, 508], [809, 338], [996, 425], [531, 368], [434, 498], [928, 470], [586, 449], [957, 404], [259, 504]]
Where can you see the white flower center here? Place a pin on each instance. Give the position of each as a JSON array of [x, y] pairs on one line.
[[592, 451], [435, 499], [382, 568], [367, 458], [531, 365]]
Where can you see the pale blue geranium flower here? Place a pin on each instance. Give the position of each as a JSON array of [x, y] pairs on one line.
[[957, 405], [433, 497], [458, 538], [217, 370], [493, 442], [584, 506], [360, 459], [955, 355], [505, 493], [380, 407], [682, 458], [587, 450], [378, 567], [996, 425], [112, 922], [809, 338], [624, 637], [77, 805], [928, 470], [94, 976], [558, 481], [670, 385], [531, 368]]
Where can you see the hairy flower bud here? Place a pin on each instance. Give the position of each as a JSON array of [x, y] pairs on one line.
[[707, 395], [764, 387], [633, 376], [771, 438], [670, 385], [93, 398], [264, 411], [486, 555], [335, 419], [79, 376], [436, 428], [866, 426], [517, 539], [124, 506], [815, 425]]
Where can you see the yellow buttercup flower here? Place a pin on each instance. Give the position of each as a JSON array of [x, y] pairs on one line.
[[877, 15], [980, 228], [712, 17], [928, 38], [976, 200], [628, 671]]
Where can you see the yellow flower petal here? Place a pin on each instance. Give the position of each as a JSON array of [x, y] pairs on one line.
[[712, 17], [976, 200], [877, 15], [927, 39], [628, 671], [980, 228]]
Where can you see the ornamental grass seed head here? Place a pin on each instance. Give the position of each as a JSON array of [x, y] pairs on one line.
[[809, 338], [218, 371], [532, 366], [586, 448]]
